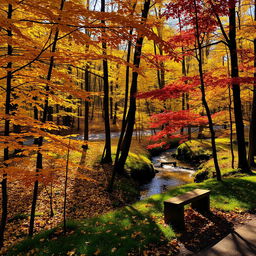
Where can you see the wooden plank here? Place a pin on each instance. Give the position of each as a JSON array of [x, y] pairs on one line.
[[188, 197], [173, 163]]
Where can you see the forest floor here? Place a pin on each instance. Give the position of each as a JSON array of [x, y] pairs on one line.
[[86, 193], [139, 229], [86, 198]]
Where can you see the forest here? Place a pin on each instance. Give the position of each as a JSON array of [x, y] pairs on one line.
[[92, 91]]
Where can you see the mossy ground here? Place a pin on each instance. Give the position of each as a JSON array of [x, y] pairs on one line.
[[203, 147]]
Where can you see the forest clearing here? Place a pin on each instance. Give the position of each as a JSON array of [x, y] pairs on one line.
[[111, 107]]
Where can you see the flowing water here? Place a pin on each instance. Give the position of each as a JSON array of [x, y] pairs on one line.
[[167, 176]]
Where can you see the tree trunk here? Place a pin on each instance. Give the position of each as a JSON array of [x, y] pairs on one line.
[[230, 119], [189, 126], [183, 99], [242, 160], [111, 101], [107, 156], [86, 106], [252, 133], [130, 121], [127, 81], [204, 101], [6, 133], [65, 191], [39, 161], [231, 129]]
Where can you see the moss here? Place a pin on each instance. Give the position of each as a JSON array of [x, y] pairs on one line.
[[194, 151], [199, 153], [139, 167]]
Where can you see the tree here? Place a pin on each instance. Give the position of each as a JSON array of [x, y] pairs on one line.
[[252, 133], [125, 144], [39, 160], [202, 88], [230, 40], [6, 127], [106, 158], [196, 15]]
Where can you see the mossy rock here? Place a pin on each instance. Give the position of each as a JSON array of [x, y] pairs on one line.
[[144, 175], [201, 176], [140, 168], [192, 154]]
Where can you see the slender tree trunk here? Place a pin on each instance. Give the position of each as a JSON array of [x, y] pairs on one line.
[[39, 161], [231, 129], [230, 119], [242, 160], [107, 156], [119, 166], [204, 101], [111, 101], [86, 106], [127, 81], [183, 99], [50, 194], [6, 133], [189, 126], [252, 133], [65, 191], [185, 96]]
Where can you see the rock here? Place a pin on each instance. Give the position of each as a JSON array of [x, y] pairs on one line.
[[201, 176], [143, 175]]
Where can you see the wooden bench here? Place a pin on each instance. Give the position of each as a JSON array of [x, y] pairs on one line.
[[174, 207], [173, 163]]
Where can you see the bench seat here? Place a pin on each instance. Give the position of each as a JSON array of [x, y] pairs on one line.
[[174, 207]]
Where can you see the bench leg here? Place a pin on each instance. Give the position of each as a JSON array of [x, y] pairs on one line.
[[202, 205], [174, 215]]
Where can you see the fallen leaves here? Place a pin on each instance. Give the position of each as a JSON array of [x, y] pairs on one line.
[[85, 199], [113, 249], [202, 230], [97, 252]]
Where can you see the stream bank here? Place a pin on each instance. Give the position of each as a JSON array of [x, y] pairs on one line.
[[167, 176]]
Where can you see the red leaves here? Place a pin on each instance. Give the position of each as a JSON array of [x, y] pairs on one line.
[[173, 122], [173, 90], [185, 11], [156, 145], [177, 119]]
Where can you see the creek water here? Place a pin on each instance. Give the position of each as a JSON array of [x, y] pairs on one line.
[[167, 176]]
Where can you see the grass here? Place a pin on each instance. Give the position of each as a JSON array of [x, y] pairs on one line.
[[134, 227], [195, 148]]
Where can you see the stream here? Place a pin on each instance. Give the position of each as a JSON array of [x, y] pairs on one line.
[[167, 176]]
